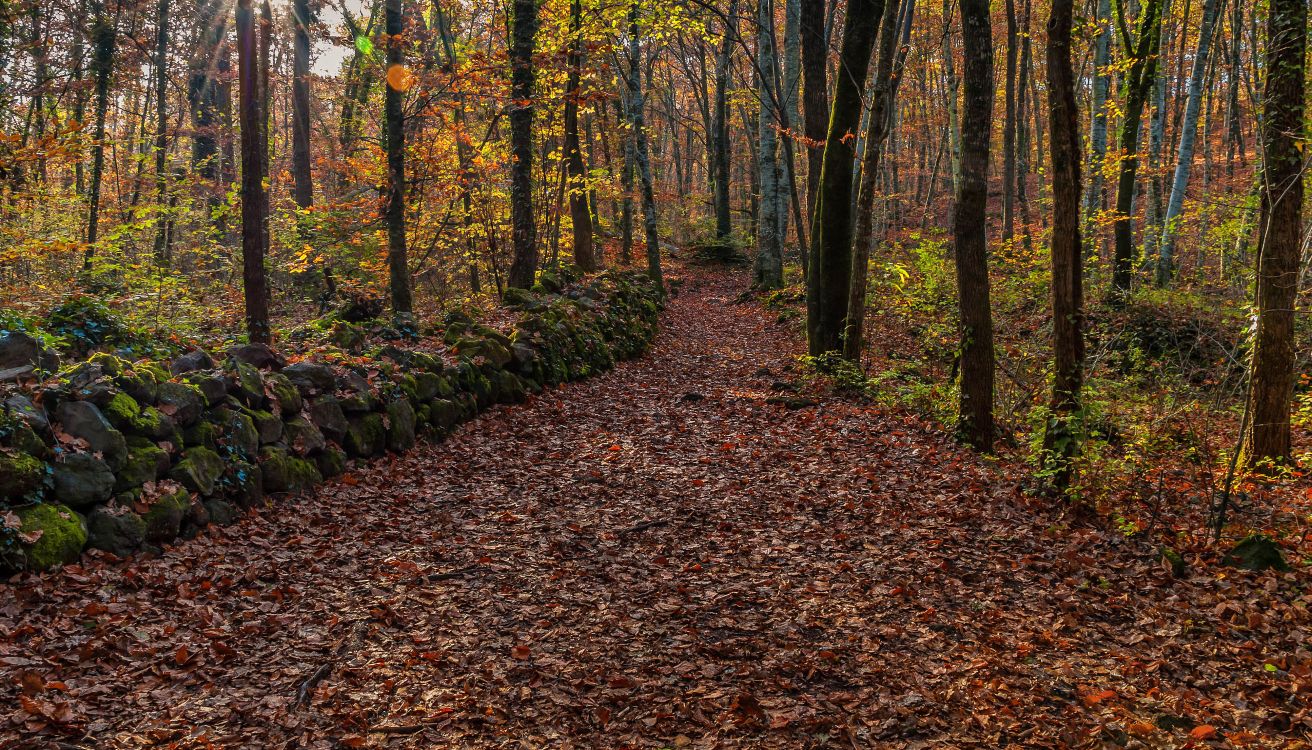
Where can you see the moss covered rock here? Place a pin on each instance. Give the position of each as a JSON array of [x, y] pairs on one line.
[[365, 436], [198, 470], [181, 401], [50, 535], [246, 383], [284, 472], [83, 420], [22, 476], [331, 461], [146, 462], [267, 424], [121, 411], [1256, 552], [164, 514], [239, 439], [326, 413], [286, 400], [243, 483], [116, 530], [400, 424], [82, 480]]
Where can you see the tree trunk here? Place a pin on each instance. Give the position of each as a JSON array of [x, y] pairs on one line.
[[1102, 57], [161, 134], [203, 96], [397, 260], [768, 270], [642, 161], [723, 220], [1008, 124], [303, 182], [254, 200], [1143, 55], [829, 278], [1271, 383], [877, 131], [580, 213], [970, 242], [815, 94], [103, 35], [1188, 134], [524, 267], [1061, 437]]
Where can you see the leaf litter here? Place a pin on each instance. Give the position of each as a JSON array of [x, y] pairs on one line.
[[615, 565]]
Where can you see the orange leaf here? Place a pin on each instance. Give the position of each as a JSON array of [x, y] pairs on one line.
[[1203, 732], [520, 652]]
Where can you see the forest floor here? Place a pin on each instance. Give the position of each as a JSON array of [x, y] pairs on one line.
[[657, 558]]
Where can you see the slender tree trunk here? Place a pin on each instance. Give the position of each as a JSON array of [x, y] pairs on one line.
[[303, 182], [1061, 439], [254, 200], [791, 85], [815, 94], [642, 161], [203, 97], [524, 28], [1137, 87], [953, 88], [1009, 125], [104, 35], [723, 219], [161, 134], [1188, 134], [1271, 383], [580, 213], [830, 276], [393, 112], [877, 131], [627, 171], [970, 242], [768, 270], [1094, 200]]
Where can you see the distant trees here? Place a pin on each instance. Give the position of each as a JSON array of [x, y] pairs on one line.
[[1280, 229]]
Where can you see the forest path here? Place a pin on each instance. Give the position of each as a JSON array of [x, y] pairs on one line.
[[653, 558]]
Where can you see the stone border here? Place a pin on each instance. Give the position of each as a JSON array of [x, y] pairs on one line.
[[126, 457]]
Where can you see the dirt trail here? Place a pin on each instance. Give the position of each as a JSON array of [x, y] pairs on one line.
[[657, 558]]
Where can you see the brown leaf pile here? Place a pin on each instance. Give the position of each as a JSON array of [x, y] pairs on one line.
[[657, 558]]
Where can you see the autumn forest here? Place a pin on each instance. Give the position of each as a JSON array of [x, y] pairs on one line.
[[587, 374]]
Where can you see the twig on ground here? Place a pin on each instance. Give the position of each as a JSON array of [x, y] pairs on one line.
[[305, 693]]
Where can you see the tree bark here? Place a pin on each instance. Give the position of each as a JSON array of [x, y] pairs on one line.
[[164, 222], [254, 199], [303, 181], [524, 28], [103, 35], [830, 275], [1188, 135], [1271, 382], [1009, 125], [1061, 436], [579, 211], [815, 94], [970, 242], [642, 160], [1143, 55], [768, 269], [397, 257], [723, 219]]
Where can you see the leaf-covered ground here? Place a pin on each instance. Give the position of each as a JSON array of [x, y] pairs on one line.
[[659, 558]]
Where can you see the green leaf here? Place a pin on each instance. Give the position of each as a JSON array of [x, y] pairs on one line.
[[365, 45]]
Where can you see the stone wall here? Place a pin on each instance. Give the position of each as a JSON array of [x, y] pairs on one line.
[[126, 456]]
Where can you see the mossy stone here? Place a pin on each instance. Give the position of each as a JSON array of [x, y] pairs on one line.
[[153, 423], [365, 436], [143, 465], [202, 434], [163, 517], [111, 365], [222, 512], [183, 400], [400, 424], [240, 438], [427, 385], [331, 461], [246, 383], [62, 538], [121, 411], [268, 425], [285, 397], [1256, 552], [198, 470], [82, 480], [115, 530], [326, 413], [445, 414], [286, 473], [21, 476]]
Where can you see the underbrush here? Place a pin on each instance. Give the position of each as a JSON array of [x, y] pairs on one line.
[[1163, 397]]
